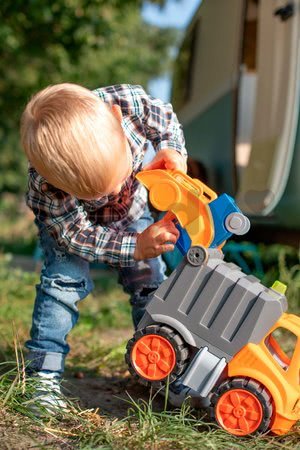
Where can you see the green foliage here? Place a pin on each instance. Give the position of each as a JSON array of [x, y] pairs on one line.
[[90, 42], [282, 262], [291, 277], [18, 232], [12, 162]]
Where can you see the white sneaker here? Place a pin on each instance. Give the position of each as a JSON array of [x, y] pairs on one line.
[[178, 393], [47, 398]]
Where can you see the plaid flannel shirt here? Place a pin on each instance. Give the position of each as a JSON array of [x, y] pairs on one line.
[[96, 230]]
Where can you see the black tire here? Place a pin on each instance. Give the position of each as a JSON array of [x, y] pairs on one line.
[[180, 347], [252, 386]]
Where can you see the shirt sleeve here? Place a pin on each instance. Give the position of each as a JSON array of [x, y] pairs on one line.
[[156, 118], [161, 124], [66, 221]]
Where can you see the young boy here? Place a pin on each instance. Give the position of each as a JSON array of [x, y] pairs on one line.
[[84, 150]]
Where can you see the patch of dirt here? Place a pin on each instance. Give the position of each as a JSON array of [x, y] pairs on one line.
[[18, 433], [109, 394]]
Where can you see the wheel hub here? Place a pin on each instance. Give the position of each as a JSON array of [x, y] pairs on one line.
[[153, 357], [239, 411]]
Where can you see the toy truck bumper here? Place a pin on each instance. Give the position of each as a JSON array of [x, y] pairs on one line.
[[282, 424]]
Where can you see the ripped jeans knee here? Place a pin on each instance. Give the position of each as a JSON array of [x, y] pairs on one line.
[[66, 289], [65, 276], [55, 314]]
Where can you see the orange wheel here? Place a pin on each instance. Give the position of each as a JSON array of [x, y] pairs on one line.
[[239, 412], [157, 354], [242, 406], [153, 357]]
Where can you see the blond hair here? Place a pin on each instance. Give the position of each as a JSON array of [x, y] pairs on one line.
[[73, 140]]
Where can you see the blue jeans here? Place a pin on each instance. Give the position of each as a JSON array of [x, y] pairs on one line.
[[65, 280]]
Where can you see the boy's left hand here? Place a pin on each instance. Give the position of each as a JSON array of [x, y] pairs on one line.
[[158, 238], [167, 159]]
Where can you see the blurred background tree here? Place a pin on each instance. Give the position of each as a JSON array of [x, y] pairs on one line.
[[89, 42]]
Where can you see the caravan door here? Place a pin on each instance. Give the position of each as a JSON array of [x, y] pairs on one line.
[[270, 149]]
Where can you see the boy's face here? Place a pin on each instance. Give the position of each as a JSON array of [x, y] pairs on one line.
[[124, 173]]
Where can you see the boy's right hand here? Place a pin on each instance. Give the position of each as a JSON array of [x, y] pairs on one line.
[[159, 238]]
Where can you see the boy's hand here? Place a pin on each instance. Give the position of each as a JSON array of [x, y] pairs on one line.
[[156, 239], [167, 159]]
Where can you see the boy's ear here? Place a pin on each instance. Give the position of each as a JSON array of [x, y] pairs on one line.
[[117, 112]]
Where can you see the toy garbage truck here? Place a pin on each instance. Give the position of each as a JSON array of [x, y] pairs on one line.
[[215, 328]]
